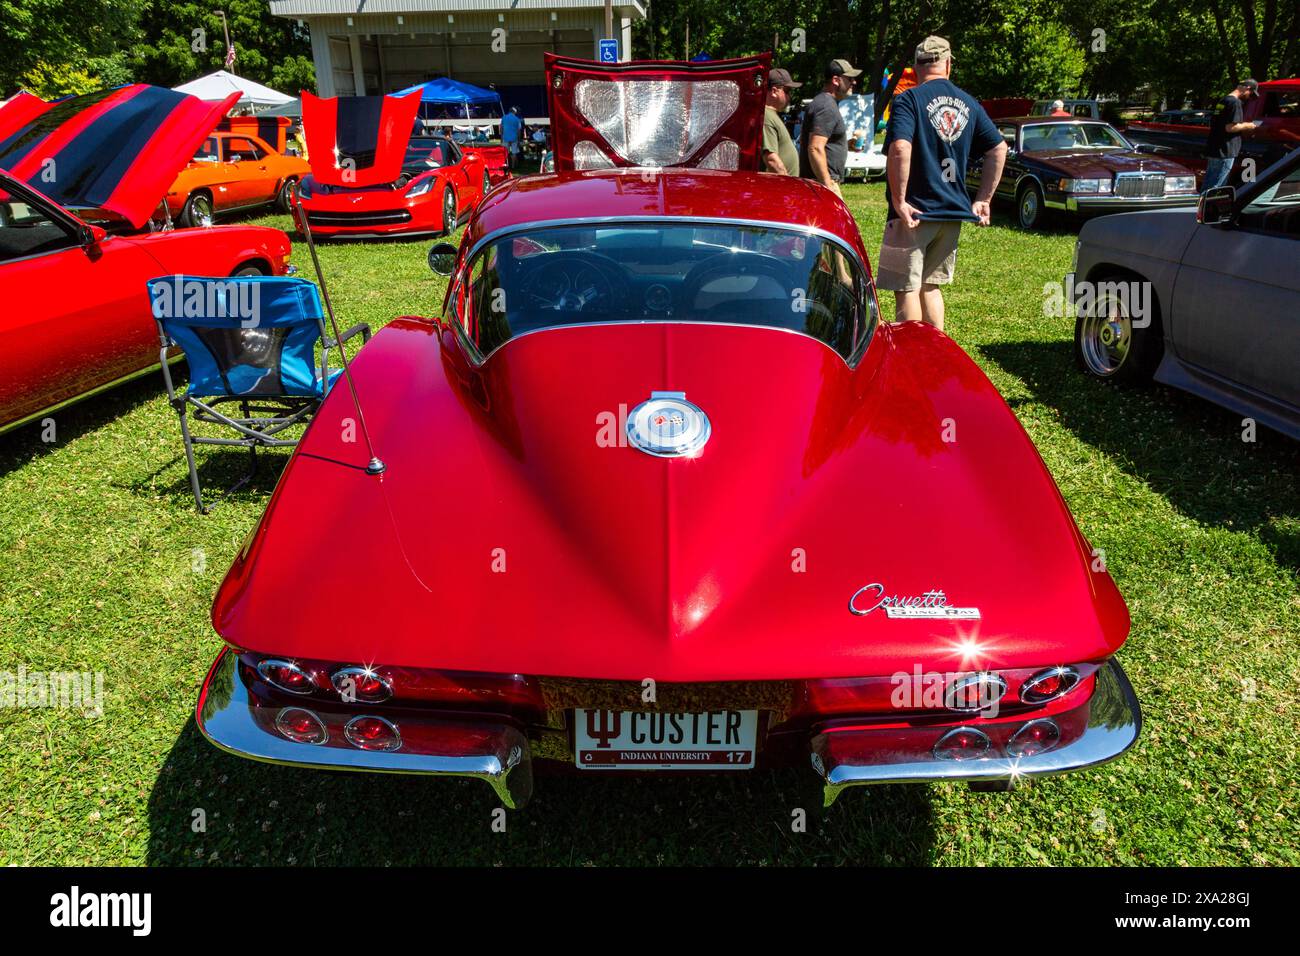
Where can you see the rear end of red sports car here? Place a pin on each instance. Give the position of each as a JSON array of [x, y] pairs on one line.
[[659, 493]]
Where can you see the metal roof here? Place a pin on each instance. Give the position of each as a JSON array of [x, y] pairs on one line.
[[310, 8]]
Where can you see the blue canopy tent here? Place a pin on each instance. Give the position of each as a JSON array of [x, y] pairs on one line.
[[445, 98]]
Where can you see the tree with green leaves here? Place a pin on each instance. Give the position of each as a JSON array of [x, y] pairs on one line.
[[185, 40], [57, 47], [1145, 49], [53, 47]]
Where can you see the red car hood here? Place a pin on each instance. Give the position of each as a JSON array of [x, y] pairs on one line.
[[118, 150], [513, 533], [656, 113], [358, 140]]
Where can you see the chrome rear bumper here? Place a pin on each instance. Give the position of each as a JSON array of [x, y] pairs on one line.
[[497, 753], [855, 757], [244, 722]]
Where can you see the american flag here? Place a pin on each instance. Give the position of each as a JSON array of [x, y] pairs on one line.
[[230, 56]]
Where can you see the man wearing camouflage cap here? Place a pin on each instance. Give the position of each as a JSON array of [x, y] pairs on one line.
[[934, 128]]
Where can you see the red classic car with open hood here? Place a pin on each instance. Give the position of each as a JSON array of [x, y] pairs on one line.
[[83, 227], [658, 492], [370, 178]]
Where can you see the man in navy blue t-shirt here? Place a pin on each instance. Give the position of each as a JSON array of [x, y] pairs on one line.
[[934, 128]]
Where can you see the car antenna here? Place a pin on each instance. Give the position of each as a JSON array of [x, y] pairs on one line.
[[376, 465]]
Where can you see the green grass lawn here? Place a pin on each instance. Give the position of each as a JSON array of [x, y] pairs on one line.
[[105, 566]]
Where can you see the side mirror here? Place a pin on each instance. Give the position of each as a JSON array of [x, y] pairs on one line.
[[442, 258], [91, 235], [1216, 205]]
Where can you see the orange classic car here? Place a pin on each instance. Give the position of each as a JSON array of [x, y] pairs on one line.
[[230, 171]]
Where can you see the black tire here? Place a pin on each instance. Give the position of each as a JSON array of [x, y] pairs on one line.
[[450, 213], [1107, 343], [197, 210], [284, 198], [1030, 211], [249, 269]]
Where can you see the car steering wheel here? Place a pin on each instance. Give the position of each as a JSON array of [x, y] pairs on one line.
[[729, 264], [843, 296], [573, 282]]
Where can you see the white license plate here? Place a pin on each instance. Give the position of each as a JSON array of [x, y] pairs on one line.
[[638, 740]]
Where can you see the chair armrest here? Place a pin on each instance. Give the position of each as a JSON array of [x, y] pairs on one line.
[[362, 327]]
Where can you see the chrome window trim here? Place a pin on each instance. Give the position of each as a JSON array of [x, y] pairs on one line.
[[478, 359]]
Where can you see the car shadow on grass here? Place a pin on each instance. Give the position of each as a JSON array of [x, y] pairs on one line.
[[1189, 450], [29, 442], [208, 807]]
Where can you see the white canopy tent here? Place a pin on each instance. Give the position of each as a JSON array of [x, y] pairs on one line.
[[217, 86]]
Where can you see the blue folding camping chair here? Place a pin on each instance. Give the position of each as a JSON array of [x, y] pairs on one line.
[[250, 342]]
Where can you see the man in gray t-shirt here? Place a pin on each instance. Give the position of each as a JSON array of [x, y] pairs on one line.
[[823, 143]]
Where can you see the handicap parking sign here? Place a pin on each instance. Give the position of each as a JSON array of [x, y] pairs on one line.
[[609, 51]]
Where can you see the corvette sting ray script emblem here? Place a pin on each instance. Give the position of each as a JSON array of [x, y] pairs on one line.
[[931, 604]]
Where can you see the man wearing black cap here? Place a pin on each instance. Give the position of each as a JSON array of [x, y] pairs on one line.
[[1224, 142], [934, 129], [779, 154], [823, 141]]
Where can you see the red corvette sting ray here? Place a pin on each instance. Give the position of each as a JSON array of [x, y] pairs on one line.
[[82, 229], [660, 493]]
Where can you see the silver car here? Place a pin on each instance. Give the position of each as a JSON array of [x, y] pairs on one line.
[[1207, 302]]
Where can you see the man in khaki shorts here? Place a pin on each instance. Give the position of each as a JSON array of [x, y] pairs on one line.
[[933, 129]]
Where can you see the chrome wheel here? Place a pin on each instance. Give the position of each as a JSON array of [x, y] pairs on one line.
[[200, 213], [449, 211], [1105, 337], [1030, 207], [285, 200]]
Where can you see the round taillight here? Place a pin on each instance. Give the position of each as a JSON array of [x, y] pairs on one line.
[[964, 743], [975, 691], [286, 675], [361, 684], [372, 733], [301, 726], [1036, 737], [1049, 684]]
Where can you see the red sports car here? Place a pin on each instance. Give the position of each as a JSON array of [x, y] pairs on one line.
[[439, 184], [82, 228], [661, 493]]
